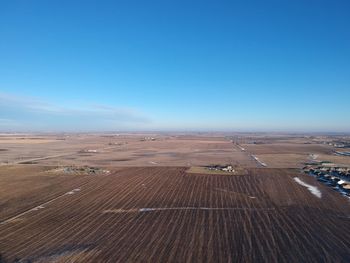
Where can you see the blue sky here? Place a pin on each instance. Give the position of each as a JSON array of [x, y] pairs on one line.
[[175, 65]]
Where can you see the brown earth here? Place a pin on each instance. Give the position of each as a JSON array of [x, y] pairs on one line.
[[276, 151], [126, 150], [164, 214]]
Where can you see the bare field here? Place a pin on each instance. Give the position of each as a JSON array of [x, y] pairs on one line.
[[24, 141], [290, 160], [127, 150], [287, 148], [292, 153], [163, 214], [23, 187], [344, 160], [156, 202], [204, 170], [165, 150]]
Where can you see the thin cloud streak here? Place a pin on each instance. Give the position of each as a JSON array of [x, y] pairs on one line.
[[35, 114]]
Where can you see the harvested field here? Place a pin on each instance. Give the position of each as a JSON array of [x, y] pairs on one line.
[[204, 170], [125, 150], [287, 148], [345, 160], [162, 214], [24, 187], [182, 150], [24, 140], [284, 160], [292, 153]]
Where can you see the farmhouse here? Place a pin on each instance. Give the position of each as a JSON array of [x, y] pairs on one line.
[[229, 168], [225, 168], [342, 183]]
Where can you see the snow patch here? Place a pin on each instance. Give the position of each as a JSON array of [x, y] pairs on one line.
[[313, 189], [205, 208], [260, 162], [73, 191], [38, 208], [118, 211], [240, 147]]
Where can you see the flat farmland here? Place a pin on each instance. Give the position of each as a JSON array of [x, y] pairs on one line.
[[25, 186], [121, 150], [165, 214], [163, 150], [290, 154]]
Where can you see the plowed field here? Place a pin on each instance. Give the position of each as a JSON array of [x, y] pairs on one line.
[[164, 214]]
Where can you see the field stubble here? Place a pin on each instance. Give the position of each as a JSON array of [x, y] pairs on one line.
[[161, 214]]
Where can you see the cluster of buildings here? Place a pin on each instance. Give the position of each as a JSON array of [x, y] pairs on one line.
[[148, 139], [336, 177], [338, 144], [342, 153], [85, 170], [225, 168]]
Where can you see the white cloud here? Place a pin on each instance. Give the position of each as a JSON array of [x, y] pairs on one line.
[[35, 114]]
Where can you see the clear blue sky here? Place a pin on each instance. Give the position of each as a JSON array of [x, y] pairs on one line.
[[175, 65]]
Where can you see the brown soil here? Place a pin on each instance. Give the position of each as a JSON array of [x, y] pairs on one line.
[[263, 216]]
